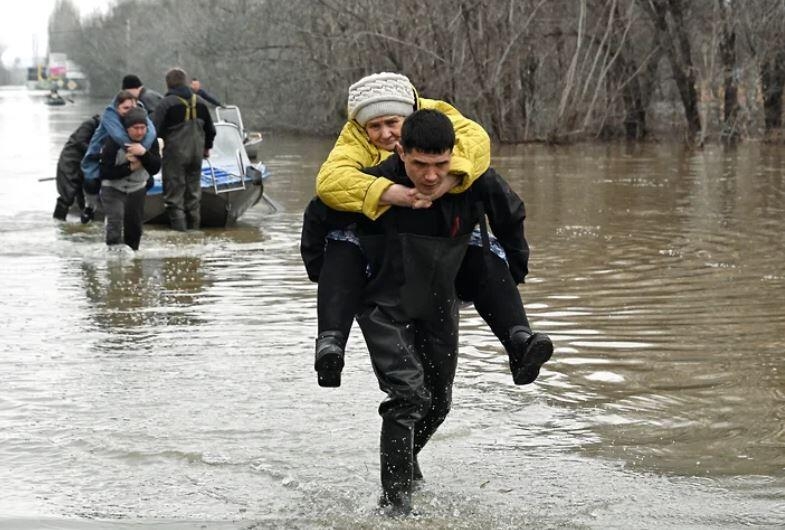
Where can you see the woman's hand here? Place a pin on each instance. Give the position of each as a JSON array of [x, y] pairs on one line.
[[135, 149], [398, 195]]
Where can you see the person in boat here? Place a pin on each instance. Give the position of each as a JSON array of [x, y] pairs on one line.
[[126, 173], [54, 98], [69, 176], [409, 309], [149, 99], [185, 124], [377, 106], [110, 126], [196, 87]]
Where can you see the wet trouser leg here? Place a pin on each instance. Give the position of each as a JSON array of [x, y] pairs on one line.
[[113, 203], [486, 281], [193, 195], [439, 360], [418, 384], [173, 180], [134, 218], [340, 286], [69, 187], [399, 370]]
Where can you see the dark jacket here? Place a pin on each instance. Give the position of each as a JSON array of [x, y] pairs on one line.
[[171, 112], [454, 215], [149, 99], [505, 211], [209, 98], [69, 175]]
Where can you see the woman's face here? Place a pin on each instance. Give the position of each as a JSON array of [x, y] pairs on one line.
[[384, 131], [125, 106]]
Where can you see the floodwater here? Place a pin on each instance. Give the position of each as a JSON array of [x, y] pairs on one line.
[[174, 388]]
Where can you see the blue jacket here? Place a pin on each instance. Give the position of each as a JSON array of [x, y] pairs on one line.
[[111, 126]]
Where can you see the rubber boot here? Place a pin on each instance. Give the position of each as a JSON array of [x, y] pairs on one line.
[[527, 352], [329, 357], [193, 220], [397, 457], [177, 223], [87, 215], [417, 478], [61, 211]]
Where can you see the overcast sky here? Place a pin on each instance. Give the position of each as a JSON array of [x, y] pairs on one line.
[[23, 26]]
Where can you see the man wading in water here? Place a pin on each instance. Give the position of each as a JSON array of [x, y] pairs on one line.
[[409, 309]]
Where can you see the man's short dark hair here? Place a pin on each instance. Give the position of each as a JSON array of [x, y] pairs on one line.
[[175, 77], [428, 131]]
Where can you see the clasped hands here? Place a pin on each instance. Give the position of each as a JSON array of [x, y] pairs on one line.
[[132, 153], [406, 197]]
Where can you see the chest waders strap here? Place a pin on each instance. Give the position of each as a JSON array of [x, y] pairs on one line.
[[486, 240], [393, 243], [190, 107]]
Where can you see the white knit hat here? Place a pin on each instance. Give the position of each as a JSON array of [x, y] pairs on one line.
[[383, 94]]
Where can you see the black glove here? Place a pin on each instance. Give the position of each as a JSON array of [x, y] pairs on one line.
[[92, 186], [150, 183]]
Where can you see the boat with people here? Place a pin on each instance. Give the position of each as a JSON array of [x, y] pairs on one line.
[[231, 182], [54, 99]]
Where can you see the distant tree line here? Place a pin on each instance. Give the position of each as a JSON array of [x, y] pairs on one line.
[[528, 70]]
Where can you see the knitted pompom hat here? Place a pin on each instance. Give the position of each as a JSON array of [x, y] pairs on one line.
[[383, 94]]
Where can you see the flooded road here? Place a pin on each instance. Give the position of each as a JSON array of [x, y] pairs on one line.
[[174, 388]]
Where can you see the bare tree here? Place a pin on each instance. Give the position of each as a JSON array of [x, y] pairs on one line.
[[727, 51], [527, 70], [672, 34]]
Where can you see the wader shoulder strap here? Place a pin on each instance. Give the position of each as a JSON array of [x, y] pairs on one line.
[[486, 240], [393, 250], [190, 107]]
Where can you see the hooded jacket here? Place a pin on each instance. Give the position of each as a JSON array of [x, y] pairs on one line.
[[342, 185]]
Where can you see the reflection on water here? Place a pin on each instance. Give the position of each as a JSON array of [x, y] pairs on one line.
[[662, 283], [175, 386]]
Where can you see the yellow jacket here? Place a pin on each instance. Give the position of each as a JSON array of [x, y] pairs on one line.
[[342, 185]]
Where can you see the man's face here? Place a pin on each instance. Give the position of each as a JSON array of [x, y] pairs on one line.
[[125, 106], [196, 85], [384, 131], [425, 170], [137, 131]]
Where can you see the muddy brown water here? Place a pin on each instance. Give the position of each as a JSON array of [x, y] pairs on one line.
[[174, 387]]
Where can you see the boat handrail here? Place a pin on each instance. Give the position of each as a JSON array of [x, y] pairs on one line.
[[240, 186]]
